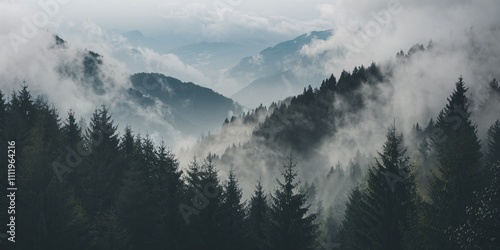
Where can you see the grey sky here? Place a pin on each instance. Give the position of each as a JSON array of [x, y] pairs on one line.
[[183, 22], [188, 21], [86, 24]]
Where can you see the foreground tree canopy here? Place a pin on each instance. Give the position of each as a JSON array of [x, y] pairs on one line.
[[96, 188]]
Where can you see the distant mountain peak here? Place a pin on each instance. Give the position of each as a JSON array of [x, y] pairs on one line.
[[271, 70]]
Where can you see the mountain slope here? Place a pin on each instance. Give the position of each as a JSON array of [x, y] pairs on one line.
[[210, 57], [194, 108], [187, 107], [275, 68]]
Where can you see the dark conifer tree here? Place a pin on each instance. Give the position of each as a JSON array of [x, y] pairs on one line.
[[258, 219], [493, 141], [22, 103], [292, 226], [127, 147], [357, 229], [101, 171], [355, 168], [111, 235], [72, 153], [202, 204], [482, 227], [72, 133], [234, 230], [168, 192], [458, 168], [134, 206], [49, 215], [387, 203]]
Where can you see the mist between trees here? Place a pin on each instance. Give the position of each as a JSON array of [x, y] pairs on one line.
[[436, 187]]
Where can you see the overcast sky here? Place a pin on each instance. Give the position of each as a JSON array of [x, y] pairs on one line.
[[186, 21], [242, 20], [372, 30]]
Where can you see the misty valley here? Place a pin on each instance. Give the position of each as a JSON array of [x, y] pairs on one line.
[[233, 129]]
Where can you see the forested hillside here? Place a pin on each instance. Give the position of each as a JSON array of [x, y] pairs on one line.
[[303, 124], [102, 188], [249, 125]]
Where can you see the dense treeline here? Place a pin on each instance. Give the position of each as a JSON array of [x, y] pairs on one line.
[[92, 188], [95, 188], [462, 206]]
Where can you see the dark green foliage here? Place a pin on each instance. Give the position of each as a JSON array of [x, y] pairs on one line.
[[203, 227], [355, 169], [328, 228], [258, 219], [309, 117], [381, 212], [458, 167], [167, 194], [357, 227], [233, 225], [48, 216], [72, 133], [482, 227], [135, 198], [493, 141], [100, 170], [100, 190], [292, 226], [23, 106], [110, 234], [150, 193]]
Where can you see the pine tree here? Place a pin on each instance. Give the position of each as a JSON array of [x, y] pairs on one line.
[[291, 224], [127, 147], [386, 204], [493, 141], [73, 151], [111, 235], [234, 230], [258, 219], [482, 227], [201, 207], [72, 131], [458, 168], [357, 229], [168, 192], [328, 228], [134, 205], [20, 116], [49, 216], [22, 103], [355, 172], [100, 172]]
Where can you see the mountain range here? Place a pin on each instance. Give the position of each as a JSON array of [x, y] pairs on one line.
[[273, 73], [187, 107]]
